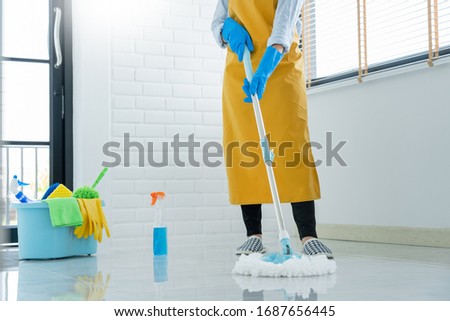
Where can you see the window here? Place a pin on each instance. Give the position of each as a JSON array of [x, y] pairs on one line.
[[36, 97], [352, 38]]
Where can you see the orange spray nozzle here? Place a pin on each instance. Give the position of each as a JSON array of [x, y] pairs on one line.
[[157, 195]]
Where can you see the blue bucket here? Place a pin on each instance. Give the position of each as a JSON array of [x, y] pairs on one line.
[[38, 239]]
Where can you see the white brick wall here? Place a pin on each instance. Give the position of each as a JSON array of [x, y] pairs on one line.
[[166, 77]]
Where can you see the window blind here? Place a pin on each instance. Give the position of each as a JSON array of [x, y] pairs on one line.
[[443, 20], [352, 38]]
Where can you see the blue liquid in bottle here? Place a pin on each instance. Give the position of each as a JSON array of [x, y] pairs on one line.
[[160, 240]]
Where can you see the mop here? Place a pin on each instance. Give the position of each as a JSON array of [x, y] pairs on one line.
[[287, 264]]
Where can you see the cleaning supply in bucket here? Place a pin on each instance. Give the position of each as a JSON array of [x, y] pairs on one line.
[[60, 191], [159, 229], [14, 186], [64, 211], [89, 191], [94, 220], [50, 190]]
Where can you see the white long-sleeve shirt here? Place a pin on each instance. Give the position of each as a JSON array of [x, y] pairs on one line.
[[286, 17]]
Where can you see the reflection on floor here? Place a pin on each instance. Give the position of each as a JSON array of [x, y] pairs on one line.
[[365, 272]]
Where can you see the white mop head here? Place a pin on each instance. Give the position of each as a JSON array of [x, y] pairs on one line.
[[253, 265]]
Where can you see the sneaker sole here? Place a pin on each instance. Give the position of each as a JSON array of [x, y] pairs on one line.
[[264, 250], [328, 255]]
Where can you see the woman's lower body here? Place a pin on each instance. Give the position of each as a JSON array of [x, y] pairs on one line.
[[284, 109], [304, 217]]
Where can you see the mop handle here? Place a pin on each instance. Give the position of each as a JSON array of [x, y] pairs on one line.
[[268, 156]]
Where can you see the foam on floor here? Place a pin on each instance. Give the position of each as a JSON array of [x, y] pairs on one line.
[[253, 265]]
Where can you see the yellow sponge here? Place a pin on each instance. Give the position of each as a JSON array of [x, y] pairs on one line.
[[61, 191]]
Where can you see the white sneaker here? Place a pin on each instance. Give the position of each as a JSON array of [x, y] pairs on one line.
[[252, 245], [316, 247]]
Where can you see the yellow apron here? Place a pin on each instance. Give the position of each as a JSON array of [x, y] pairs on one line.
[[284, 109]]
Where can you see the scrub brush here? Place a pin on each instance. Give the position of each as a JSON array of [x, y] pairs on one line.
[[90, 192]]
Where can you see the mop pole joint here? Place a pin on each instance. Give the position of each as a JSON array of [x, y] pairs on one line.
[[286, 246], [268, 155]]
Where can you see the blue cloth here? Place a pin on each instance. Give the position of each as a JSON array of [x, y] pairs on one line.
[[237, 37], [267, 65], [285, 22]]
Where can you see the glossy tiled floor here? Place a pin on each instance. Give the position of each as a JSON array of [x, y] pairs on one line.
[[365, 272]]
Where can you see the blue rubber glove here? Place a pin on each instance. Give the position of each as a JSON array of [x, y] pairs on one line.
[[267, 65], [237, 37]]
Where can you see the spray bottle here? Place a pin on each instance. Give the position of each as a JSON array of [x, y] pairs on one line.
[[14, 188], [159, 229]]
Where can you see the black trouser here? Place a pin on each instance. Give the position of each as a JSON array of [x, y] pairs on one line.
[[304, 216]]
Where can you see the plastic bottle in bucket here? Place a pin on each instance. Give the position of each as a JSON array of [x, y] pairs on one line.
[[14, 186], [159, 229]]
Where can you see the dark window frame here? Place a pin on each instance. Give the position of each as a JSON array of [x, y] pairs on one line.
[[60, 101], [384, 66]]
